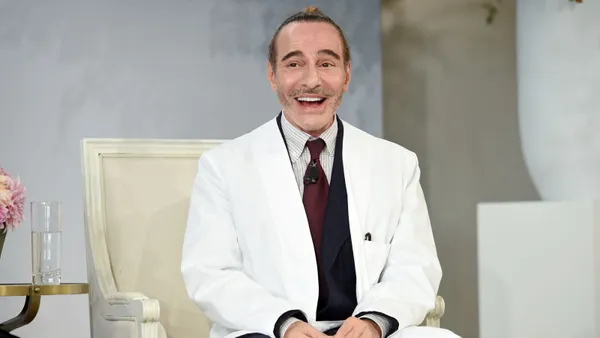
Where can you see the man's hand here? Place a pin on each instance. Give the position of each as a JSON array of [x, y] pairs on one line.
[[354, 328], [302, 329]]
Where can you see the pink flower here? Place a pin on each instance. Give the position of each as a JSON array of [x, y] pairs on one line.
[[5, 195], [17, 204], [5, 198], [12, 201], [3, 215]]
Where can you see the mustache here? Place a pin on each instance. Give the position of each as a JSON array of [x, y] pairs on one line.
[[314, 91]]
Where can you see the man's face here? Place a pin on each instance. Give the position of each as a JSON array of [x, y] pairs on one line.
[[309, 76]]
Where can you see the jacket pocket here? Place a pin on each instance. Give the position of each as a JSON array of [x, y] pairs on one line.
[[376, 255]]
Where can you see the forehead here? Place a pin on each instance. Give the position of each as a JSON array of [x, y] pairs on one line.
[[308, 37]]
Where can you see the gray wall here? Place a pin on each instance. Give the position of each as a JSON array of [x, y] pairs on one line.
[[167, 69], [450, 94]]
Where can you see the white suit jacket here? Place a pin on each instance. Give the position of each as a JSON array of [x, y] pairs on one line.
[[248, 254]]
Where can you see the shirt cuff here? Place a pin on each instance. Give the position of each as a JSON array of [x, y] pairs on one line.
[[286, 325], [381, 321]]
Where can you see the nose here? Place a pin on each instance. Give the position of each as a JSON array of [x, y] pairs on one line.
[[312, 78]]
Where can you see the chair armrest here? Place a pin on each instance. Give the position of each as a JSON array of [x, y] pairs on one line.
[[434, 316], [134, 307]]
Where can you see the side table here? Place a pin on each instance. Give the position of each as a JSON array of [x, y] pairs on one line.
[[33, 296]]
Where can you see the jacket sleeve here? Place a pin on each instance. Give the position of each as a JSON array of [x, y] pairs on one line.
[[409, 283], [212, 262]]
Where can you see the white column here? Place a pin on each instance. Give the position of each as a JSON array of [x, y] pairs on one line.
[[558, 53]]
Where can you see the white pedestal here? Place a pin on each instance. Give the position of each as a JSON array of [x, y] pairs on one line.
[[539, 269]]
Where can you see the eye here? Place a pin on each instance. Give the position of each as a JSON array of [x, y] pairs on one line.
[[327, 64], [293, 64]]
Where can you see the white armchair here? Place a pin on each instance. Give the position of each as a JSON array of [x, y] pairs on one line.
[[136, 203]]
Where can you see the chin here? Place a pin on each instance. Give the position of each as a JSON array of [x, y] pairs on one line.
[[314, 123], [310, 119]]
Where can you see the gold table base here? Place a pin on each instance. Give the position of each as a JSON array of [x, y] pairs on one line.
[[33, 297]]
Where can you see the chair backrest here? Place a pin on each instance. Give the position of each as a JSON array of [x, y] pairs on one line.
[[137, 196]]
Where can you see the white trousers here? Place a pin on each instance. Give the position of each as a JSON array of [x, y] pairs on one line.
[[423, 332]]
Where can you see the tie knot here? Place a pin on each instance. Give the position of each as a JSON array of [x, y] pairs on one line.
[[315, 147]]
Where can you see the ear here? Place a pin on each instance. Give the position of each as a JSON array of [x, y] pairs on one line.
[[348, 75], [271, 75]]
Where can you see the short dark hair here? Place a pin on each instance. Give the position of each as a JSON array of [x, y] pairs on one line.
[[310, 14]]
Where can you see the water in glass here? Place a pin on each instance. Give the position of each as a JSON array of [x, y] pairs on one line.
[[46, 233], [46, 257]]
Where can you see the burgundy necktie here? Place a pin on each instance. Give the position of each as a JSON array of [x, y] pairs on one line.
[[316, 190]]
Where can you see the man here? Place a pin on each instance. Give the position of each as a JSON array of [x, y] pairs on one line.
[[307, 226]]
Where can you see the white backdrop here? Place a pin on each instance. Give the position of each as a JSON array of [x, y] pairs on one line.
[[168, 69]]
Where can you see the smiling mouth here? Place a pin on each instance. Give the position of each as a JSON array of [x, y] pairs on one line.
[[310, 102]]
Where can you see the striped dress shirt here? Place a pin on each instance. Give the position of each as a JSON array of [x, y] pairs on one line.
[[300, 157]]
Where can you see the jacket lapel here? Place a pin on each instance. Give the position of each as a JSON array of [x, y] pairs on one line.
[[335, 232], [287, 213], [357, 177]]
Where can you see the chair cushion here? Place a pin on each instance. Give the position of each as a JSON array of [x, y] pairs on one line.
[[146, 206]]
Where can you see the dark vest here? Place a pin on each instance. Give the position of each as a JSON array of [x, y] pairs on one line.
[[338, 257]]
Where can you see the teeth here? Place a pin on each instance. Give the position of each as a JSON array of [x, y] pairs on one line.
[[310, 99]]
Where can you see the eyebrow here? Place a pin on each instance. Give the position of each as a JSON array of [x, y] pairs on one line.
[[322, 51]]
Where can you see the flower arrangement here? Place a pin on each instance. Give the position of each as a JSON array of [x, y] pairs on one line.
[[12, 202]]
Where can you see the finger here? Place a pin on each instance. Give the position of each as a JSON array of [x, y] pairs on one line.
[[344, 330], [319, 334], [342, 333], [314, 333], [371, 329], [357, 331]]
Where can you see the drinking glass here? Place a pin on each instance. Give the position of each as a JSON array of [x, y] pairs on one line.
[[46, 233]]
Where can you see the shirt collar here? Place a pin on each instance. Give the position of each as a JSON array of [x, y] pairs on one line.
[[296, 139]]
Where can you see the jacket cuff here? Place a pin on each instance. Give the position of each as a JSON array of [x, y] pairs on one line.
[[287, 319], [286, 325], [387, 324]]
